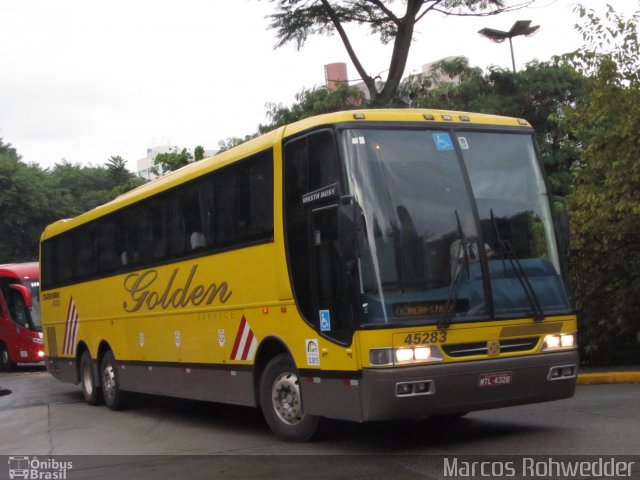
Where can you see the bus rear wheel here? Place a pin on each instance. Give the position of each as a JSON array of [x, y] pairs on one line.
[[6, 365], [92, 393], [281, 401], [114, 397]]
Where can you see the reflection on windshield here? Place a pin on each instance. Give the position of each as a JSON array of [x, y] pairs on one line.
[[34, 288], [422, 247]]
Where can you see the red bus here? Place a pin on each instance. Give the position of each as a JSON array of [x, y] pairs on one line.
[[20, 326]]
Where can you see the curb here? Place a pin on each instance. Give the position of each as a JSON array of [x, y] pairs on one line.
[[608, 377]]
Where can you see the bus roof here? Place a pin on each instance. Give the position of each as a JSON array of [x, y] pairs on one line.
[[268, 140], [20, 271]]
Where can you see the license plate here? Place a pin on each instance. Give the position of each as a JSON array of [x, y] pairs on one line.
[[495, 379]]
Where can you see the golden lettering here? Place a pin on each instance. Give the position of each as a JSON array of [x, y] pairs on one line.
[[140, 287]]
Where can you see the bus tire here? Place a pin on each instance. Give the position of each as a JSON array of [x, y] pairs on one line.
[[281, 401], [90, 390], [114, 397], [6, 365]]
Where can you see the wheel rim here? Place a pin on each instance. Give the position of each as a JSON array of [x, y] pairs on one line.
[[4, 357], [285, 395], [87, 379], [109, 381]]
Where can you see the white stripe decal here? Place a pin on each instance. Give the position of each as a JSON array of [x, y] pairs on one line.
[[246, 343], [71, 329]]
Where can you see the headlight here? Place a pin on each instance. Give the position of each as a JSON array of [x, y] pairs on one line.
[[386, 357], [37, 340], [560, 341]]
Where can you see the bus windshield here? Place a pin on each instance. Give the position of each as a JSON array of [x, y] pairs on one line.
[[455, 225], [34, 288]]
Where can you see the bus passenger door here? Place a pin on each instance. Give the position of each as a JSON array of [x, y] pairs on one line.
[[331, 280]]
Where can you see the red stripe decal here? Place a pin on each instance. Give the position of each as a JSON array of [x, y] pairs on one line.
[[247, 345], [236, 344]]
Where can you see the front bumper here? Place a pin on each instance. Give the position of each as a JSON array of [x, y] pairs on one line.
[[455, 387]]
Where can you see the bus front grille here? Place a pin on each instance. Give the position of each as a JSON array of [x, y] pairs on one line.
[[480, 348]]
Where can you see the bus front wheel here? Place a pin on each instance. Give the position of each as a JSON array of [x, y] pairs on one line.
[[92, 393], [114, 397], [281, 401]]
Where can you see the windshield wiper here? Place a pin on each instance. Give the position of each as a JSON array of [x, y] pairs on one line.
[[507, 251], [462, 263]]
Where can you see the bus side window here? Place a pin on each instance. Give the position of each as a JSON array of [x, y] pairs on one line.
[[84, 256], [175, 226], [63, 252], [108, 243], [17, 308], [207, 209], [195, 237], [323, 167], [297, 228]]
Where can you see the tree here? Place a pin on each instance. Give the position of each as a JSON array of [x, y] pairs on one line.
[[198, 153], [27, 204], [172, 161], [605, 204], [81, 188], [538, 93], [229, 143], [310, 102], [117, 167], [295, 20]]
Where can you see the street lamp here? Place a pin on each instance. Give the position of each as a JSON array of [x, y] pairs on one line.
[[521, 27]]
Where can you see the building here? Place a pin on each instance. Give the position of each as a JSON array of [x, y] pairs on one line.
[[336, 73]]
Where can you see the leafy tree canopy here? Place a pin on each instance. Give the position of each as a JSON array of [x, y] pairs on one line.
[[393, 22], [31, 198], [605, 204], [198, 153], [172, 161]]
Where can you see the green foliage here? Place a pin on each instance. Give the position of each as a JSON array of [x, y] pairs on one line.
[[27, 203], [605, 204], [198, 153], [231, 142], [310, 102], [31, 198], [539, 94], [117, 167], [172, 161]]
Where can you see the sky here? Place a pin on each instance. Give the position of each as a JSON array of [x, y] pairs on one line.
[[83, 80]]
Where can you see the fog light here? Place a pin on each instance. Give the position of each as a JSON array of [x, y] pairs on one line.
[[41, 354], [567, 372], [422, 387], [404, 388]]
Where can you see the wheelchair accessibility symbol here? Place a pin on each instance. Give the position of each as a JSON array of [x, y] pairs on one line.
[[325, 321], [443, 141]]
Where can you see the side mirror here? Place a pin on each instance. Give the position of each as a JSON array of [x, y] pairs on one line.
[[350, 230], [24, 292]]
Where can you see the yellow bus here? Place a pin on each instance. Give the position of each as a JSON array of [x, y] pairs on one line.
[[362, 265]]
